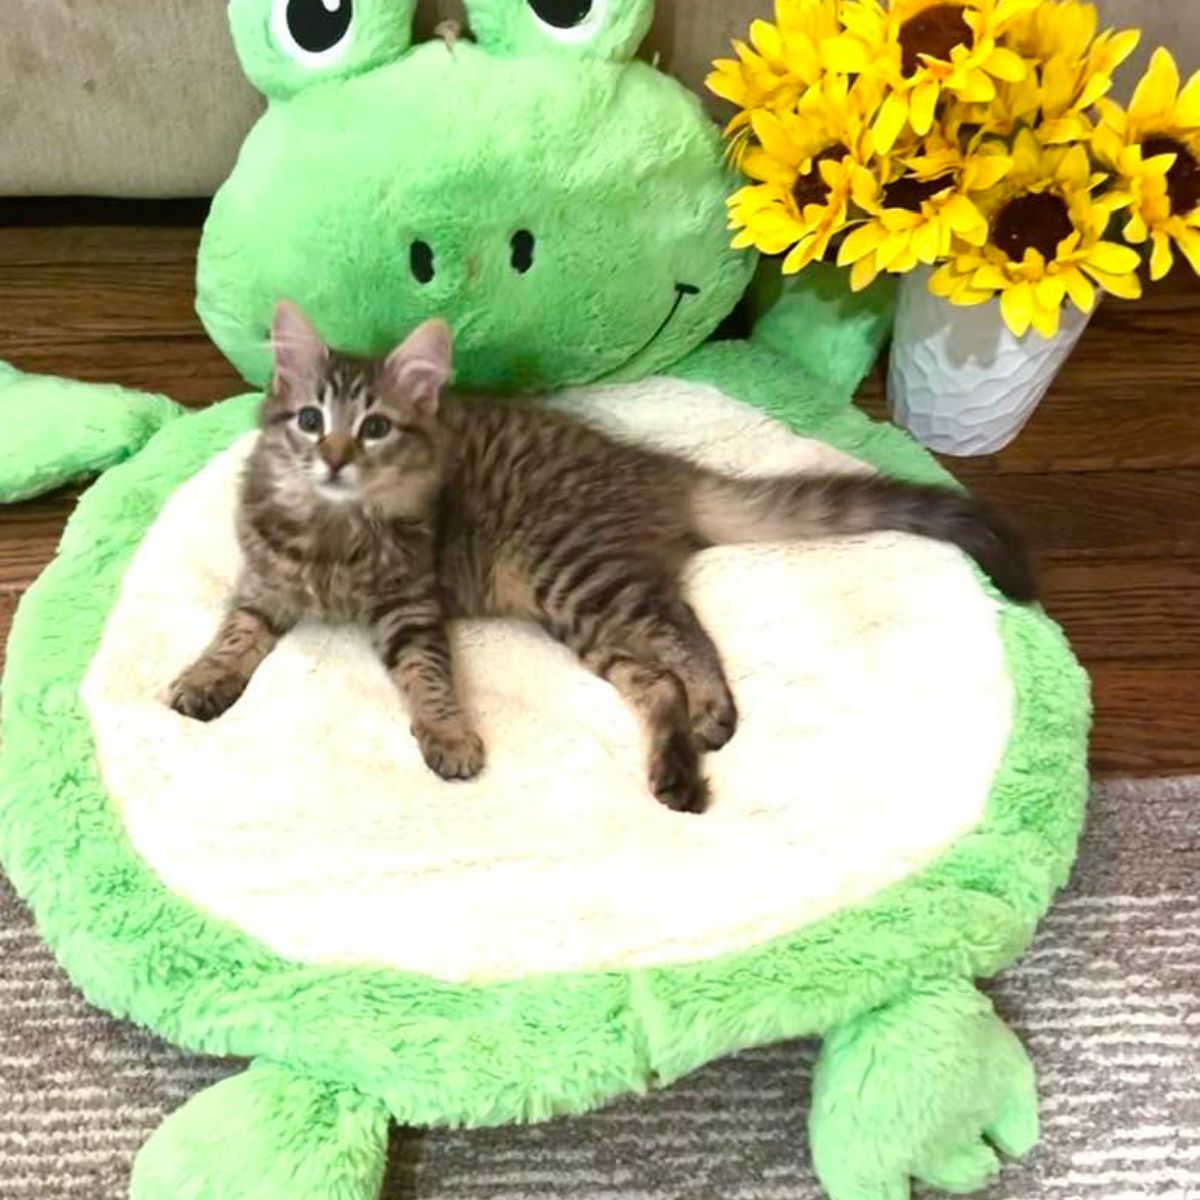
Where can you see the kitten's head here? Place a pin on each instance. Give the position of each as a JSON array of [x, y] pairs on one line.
[[357, 431]]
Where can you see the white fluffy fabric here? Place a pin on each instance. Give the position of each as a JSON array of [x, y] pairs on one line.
[[875, 709]]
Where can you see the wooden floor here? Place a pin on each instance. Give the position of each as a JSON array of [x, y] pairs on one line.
[[1106, 479]]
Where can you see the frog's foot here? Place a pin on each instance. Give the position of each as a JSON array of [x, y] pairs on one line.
[[921, 1089], [268, 1134], [56, 431]]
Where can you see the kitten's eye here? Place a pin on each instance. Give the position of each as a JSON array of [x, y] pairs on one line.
[[374, 428], [314, 32], [310, 420]]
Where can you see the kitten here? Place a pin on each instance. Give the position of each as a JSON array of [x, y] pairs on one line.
[[375, 496]]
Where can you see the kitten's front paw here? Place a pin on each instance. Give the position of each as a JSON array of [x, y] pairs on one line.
[[205, 692], [675, 774], [715, 720], [455, 752]]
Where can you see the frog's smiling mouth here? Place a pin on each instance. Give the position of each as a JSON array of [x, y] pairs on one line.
[[682, 291]]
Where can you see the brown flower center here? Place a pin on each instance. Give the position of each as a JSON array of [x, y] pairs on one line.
[[911, 193], [1034, 222], [1183, 179], [811, 188], [935, 32]]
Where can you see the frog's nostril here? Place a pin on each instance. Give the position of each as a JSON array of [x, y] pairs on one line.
[[523, 245], [420, 258]]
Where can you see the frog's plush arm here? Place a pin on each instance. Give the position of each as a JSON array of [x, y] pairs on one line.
[[816, 321], [56, 431]]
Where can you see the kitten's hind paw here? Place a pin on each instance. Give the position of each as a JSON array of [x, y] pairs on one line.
[[454, 752], [205, 692], [675, 774]]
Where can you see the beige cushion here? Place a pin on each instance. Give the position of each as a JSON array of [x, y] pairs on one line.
[[145, 97]]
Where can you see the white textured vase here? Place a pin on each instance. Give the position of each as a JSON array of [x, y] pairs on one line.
[[959, 380]]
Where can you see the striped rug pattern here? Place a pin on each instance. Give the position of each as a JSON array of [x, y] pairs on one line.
[[1108, 1003]]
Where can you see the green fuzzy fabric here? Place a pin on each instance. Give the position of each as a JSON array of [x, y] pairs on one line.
[[621, 218], [56, 432], [564, 208], [438, 1053]]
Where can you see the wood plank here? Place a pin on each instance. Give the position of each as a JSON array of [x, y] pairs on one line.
[[91, 245], [1111, 514], [1147, 716], [1125, 610], [8, 606], [110, 300], [29, 537], [188, 369]]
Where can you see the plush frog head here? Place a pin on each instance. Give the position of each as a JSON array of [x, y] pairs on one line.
[[558, 202]]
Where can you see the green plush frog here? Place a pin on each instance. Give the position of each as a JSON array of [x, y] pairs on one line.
[[424, 957]]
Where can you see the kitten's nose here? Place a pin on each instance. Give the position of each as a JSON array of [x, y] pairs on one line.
[[337, 450]]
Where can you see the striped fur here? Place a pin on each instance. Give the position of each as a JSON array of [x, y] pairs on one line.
[[474, 507]]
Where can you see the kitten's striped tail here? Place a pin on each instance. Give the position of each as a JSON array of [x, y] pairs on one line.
[[803, 507]]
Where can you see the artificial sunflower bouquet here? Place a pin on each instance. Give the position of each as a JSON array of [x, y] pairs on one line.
[[974, 138]]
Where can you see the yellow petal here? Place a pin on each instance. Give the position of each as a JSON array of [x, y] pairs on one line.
[[860, 242], [1136, 230], [1046, 320], [1161, 259], [978, 88], [773, 135], [926, 244], [1189, 243], [1113, 259], [1051, 291], [924, 105], [893, 116], [987, 170], [891, 250], [962, 215], [1074, 168], [767, 40], [1187, 111], [989, 277], [1079, 288], [1006, 65], [1126, 287], [942, 281], [1155, 95], [863, 273], [846, 55], [801, 256], [1016, 306]]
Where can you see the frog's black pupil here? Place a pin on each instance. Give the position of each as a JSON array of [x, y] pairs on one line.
[[562, 14], [311, 420], [421, 259], [319, 25], [523, 244]]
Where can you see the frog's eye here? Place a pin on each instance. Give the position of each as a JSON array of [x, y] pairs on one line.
[[569, 20], [286, 45], [315, 33], [610, 29]]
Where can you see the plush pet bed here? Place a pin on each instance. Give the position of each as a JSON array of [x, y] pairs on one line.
[[290, 885]]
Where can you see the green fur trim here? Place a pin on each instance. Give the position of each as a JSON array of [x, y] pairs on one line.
[[438, 1053], [57, 431], [267, 1133]]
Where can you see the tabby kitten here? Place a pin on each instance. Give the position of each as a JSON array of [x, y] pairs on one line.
[[373, 496]]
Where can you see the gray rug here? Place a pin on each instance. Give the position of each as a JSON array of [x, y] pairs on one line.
[[1108, 1003]]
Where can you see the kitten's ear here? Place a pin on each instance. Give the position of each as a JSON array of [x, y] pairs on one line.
[[300, 354], [420, 367]]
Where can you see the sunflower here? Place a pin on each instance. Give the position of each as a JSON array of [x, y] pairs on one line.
[[916, 216], [807, 165], [1154, 150], [1075, 64], [1070, 67], [781, 62], [922, 48], [1045, 242]]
